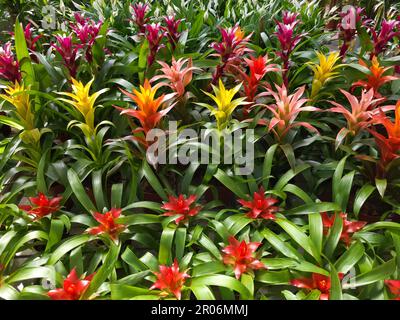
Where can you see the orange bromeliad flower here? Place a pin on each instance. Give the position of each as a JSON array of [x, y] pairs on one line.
[[148, 107], [376, 79], [389, 146]]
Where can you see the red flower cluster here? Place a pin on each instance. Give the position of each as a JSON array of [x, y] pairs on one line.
[[72, 289], [9, 67], [107, 224], [261, 206], [317, 281], [30, 38], [240, 256], [394, 287], [349, 227], [170, 280], [182, 207], [41, 206]]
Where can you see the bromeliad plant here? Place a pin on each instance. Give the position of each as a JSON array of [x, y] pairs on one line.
[[85, 212]]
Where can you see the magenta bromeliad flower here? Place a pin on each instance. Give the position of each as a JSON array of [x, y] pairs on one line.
[[68, 52], [288, 39], [171, 30], [139, 16], [348, 27], [154, 35], [87, 31], [9, 67], [30, 38], [389, 30], [230, 50]]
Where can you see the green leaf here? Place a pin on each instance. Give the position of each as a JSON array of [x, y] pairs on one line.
[[165, 254], [350, 257], [299, 237], [104, 272], [274, 277], [361, 196], [285, 248], [68, 245], [382, 272], [79, 191], [154, 182], [336, 287], [316, 230], [222, 281], [381, 185], [231, 184], [23, 57], [334, 236], [55, 234]]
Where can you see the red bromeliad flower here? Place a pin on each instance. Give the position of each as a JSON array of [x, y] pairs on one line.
[[261, 206], [182, 207], [349, 227], [107, 224], [285, 111], [154, 35], [376, 79], [86, 30], [287, 38], [139, 18], [170, 280], [389, 30], [172, 30], [394, 287], [73, 287], [258, 68], [68, 52], [177, 76], [42, 206], [351, 19], [317, 281], [240, 256], [230, 50], [9, 67]]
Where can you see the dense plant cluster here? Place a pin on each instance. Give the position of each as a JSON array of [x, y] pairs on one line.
[[86, 214]]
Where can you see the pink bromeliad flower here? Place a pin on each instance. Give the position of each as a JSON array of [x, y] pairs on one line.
[[171, 30], [154, 35], [362, 111], [9, 67], [288, 39], [86, 30], [389, 30], [230, 50], [177, 76], [285, 111], [68, 51], [139, 16]]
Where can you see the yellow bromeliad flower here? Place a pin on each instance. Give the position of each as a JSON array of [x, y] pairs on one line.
[[225, 105], [19, 98], [324, 71], [82, 101]]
